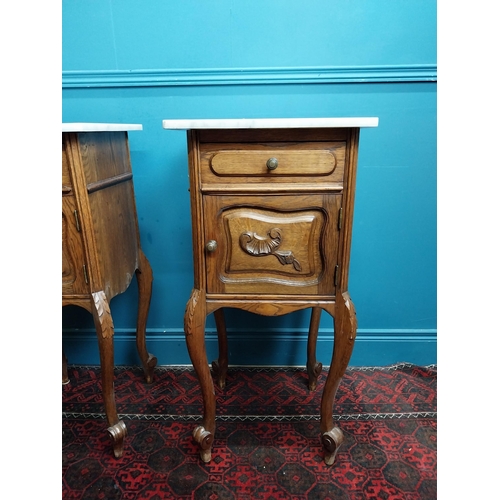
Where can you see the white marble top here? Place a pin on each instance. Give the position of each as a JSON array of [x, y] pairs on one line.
[[245, 123], [100, 127]]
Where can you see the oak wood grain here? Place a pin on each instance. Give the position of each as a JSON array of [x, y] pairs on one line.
[[101, 249], [272, 214], [237, 163], [307, 225], [73, 260]]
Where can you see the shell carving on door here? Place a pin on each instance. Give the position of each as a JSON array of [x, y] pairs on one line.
[[260, 246]]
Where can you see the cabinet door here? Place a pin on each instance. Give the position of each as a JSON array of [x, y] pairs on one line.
[[73, 273], [286, 244]]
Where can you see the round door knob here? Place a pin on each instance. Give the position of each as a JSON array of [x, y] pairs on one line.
[[211, 246], [272, 163]]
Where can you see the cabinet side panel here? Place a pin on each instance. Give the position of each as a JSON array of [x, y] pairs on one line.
[[348, 204], [197, 222], [115, 232], [104, 155]]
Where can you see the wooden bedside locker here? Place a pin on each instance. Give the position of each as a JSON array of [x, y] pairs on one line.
[[272, 208], [101, 250]]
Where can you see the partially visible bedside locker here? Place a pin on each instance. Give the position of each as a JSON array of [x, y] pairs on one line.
[[101, 251]]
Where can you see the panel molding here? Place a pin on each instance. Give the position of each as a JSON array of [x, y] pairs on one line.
[[246, 76]]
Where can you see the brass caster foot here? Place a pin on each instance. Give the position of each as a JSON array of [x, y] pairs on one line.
[[313, 374], [220, 374], [204, 439], [332, 440], [149, 368], [117, 433]]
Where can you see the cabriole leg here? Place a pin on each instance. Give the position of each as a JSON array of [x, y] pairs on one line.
[[194, 328], [144, 275], [219, 367], [105, 330], [345, 325], [313, 367]]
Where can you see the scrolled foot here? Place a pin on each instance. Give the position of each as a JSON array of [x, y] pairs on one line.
[[220, 373], [314, 373], [205, 439], [117, 433], [332, 440]]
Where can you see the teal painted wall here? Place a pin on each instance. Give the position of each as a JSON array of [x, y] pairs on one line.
[[142, 62]]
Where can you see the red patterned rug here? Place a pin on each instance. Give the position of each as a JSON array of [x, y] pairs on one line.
[[267, 443]]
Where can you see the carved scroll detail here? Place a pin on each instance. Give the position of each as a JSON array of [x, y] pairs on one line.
[[103, 314], [260, 246], [189, 313]]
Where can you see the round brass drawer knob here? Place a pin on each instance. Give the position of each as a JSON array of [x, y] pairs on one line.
[[211, 246], [272, 164]]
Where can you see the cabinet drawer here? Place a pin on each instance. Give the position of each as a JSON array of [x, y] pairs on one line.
[[271, 244], [273, 162]]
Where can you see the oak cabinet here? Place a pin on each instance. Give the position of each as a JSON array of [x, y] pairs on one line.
[[101, 249], [272, 207]]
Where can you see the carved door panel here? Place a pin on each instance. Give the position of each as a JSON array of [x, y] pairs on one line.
[[269, 244], [73, 273]]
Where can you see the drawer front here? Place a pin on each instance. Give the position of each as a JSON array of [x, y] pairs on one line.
[[273, 162], [271, 244]]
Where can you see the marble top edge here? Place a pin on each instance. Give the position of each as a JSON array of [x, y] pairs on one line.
[[245, 123], [100, 127]]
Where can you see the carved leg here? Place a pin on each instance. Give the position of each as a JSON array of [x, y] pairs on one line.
[[194, 328], [345, 325], [313, 368], [105, 330], [219, 367], [65, 378], [144, 276]]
